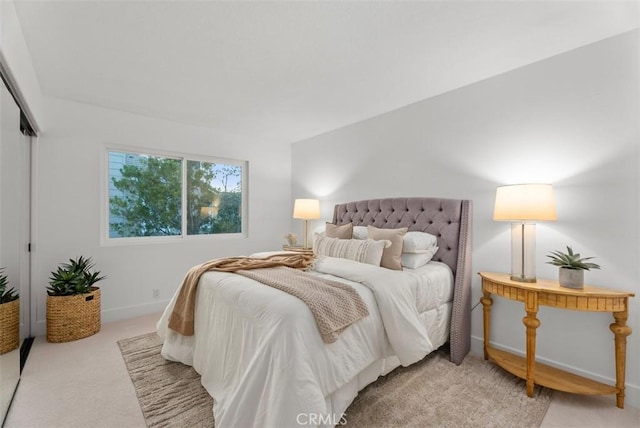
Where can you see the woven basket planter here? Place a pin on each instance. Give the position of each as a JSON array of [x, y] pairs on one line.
[[73, 317], [9, 326]]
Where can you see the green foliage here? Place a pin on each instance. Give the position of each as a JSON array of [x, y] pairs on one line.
[[200, 194], [6, 294], [571, 260], [226, 172], [229, 218], [75, 277], [151, 199], [225, 202]]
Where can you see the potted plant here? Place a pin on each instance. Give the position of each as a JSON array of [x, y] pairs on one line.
[[73, 302], [572, 267], [9, 316]]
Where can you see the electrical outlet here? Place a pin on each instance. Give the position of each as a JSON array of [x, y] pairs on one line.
[[156, 293]]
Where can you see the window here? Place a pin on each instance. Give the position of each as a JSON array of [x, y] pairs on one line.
[[214, 198], [173, 196]]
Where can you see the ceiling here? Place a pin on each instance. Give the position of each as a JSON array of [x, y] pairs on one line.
[[287, 71]]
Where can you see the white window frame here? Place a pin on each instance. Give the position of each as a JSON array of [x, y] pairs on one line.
[[106, 240]]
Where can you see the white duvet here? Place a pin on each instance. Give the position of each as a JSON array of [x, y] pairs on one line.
[[261, 356]]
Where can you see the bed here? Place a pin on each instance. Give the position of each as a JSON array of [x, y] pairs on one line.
[[258, 349]]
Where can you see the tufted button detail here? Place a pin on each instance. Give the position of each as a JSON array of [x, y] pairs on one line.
[[440, 209], [439, 235], [449, 222], [448, 248], [430, 221]]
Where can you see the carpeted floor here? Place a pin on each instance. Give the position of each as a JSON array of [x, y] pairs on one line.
[[430, 393]]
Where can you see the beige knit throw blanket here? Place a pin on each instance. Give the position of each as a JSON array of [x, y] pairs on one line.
[[336, 305]]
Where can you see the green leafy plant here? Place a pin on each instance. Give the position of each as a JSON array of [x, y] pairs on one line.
[[75, 277], [6, 294], [571, 260]]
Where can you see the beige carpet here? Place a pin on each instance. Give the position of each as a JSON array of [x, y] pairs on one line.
[[431, 393]]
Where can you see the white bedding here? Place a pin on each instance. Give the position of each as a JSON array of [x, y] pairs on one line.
[[263, 361]]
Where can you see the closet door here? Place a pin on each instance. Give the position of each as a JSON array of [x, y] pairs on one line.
[[11, 177]]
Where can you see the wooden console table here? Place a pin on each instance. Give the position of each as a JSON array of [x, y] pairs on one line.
[[549, 293]]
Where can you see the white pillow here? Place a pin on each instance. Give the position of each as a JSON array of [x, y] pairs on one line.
[[360, 250], [412, 242], [418, 242], [416, 260], [359, 232]]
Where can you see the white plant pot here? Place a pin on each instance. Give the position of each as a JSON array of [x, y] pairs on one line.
[[571, 278]]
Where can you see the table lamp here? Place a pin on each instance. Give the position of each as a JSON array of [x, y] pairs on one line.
[[306, 209], [523, 205]]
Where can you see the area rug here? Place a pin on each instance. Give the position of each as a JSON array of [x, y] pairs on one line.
[[431, 393]]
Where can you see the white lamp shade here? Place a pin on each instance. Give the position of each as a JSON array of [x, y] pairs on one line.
[[306, 209], [525, 202]]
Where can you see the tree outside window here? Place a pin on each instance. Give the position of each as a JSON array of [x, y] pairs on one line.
[[146, 196], [214, 198]]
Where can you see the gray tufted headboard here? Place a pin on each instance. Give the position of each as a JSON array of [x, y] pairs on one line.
[[450, 221]]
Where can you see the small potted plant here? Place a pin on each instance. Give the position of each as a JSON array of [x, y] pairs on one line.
[[73, 302], [572, 267], [9, 316]]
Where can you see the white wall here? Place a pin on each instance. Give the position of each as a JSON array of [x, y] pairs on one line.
[[15, 59], [67, 212], [571, 120]]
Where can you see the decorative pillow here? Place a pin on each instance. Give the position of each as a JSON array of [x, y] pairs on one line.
[[391, 255], [341, 232], [412, 242], [360, 250], [416, 260], [359, 232], [418, 242]]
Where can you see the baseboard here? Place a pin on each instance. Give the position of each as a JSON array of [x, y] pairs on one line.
[[117, 314], [632, 392]]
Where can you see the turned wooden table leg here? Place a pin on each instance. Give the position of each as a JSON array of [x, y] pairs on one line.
[[621, 330], [486, 301], [532, 323]]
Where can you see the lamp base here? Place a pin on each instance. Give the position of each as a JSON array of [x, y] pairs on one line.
[[523, 252], [519, 278], [305, 244]]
